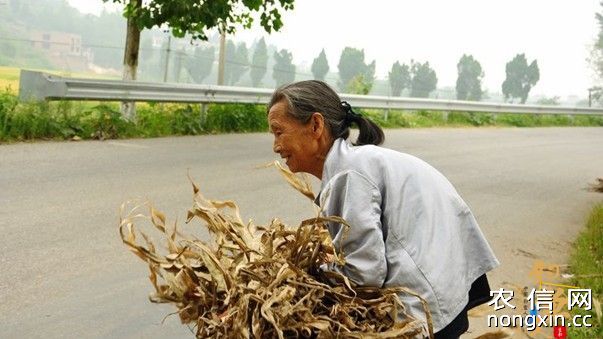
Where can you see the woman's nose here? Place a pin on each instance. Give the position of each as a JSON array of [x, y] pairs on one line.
[[276, 148]]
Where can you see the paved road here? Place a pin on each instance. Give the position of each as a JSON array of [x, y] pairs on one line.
[[65, 272]]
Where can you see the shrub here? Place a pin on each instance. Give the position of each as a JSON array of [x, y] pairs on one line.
[[236, 118]]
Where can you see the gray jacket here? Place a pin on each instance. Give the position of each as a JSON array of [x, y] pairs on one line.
[[409, 227]]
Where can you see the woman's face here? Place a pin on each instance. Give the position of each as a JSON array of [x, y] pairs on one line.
[[294, 141]]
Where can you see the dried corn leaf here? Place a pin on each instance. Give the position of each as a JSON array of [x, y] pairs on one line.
[[300, 183], [262, 281]]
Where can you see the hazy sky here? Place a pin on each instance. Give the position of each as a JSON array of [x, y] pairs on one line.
[[558, 33]]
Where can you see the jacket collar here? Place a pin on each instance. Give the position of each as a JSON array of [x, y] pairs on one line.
[[331, 164]]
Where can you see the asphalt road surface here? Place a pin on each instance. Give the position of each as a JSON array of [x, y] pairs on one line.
[[65, 272]]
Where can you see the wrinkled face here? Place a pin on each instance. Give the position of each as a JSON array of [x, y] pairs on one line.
[[293, 140]]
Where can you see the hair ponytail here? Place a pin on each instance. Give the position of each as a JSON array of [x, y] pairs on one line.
[[369, 132]]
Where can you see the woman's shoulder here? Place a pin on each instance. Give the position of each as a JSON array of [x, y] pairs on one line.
[[382, 164], [369, 161], [371, 156]]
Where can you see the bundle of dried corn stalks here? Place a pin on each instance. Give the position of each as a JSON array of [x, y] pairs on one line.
[[262, 281]]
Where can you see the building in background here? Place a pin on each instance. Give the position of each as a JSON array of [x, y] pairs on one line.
[[64, 50]]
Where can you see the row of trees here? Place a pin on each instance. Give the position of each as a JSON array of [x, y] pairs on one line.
[[358, 76], [420, 79], [238, 63], [354, 74]]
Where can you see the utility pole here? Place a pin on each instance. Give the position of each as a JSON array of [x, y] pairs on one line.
[[221, 57], [167, 59], [177, 64]]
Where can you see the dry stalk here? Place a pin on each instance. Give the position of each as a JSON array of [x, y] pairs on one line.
[[261, 282]]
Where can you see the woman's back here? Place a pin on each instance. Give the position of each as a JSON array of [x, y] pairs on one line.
[[431, 241]]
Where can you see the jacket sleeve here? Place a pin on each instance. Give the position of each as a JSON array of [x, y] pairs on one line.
[[357, 200]]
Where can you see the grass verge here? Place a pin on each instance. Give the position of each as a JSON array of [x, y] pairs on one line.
[[586, 264], [63, 120]]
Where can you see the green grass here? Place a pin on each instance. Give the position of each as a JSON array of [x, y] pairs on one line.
[[586, 263], [396, 118], [63, 120]]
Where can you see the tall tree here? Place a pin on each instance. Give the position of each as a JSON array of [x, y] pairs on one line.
[[469, 80], [200, 65], [283, 71], [320, 66], [423, 79], [520, 79], [595, 94], [596, 58], [240, 63], [399, 78], [351, 64], [192, 17], [229, 62], [259, 63]]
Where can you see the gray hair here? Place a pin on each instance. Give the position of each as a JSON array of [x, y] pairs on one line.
[[304, 98]]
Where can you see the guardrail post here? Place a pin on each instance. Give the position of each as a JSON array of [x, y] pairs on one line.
[[203, 108]]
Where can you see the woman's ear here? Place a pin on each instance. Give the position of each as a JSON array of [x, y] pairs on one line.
[[318, 124]]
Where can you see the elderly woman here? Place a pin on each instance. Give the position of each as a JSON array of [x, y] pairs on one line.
[[408, 225]]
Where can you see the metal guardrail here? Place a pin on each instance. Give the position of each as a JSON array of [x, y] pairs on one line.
[[38, 86]]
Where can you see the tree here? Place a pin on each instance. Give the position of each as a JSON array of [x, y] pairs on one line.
[[240, 63], [469, 80], [283, 71], [359, 85], [423, 79], [351, 64], [399, 78], [229, 68], [259, 63], [596, 58], [320, 66], [520, 78], [200, 65], [192, 17]]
